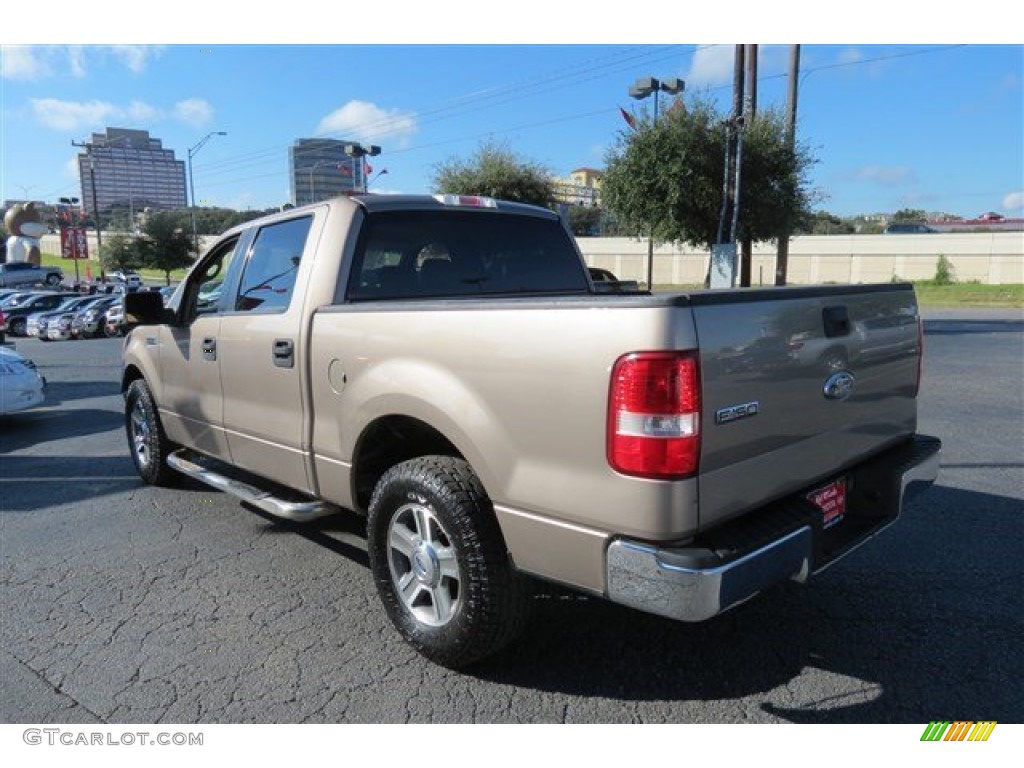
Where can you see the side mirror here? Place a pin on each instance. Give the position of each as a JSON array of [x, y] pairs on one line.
[[146, 308]]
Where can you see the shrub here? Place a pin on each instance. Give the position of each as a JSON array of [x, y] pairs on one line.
[[943, 272]]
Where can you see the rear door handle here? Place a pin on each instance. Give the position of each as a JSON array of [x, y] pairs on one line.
[[284, 353]]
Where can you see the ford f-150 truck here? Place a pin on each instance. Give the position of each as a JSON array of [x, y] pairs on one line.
[[447, 367]]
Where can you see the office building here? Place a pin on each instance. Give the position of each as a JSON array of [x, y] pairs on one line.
[[319, 169], [132, 170]]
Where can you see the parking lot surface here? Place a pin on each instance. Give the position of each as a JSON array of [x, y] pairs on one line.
[[123, 603]]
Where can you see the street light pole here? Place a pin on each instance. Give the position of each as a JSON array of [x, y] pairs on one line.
[[192, 151], [358, 151], [641, 89], [376, 176]]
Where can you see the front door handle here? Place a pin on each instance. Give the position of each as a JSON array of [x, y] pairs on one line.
[[210, 348], [284, 353]]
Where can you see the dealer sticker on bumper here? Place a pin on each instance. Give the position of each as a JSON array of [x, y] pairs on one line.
[[831, 500]]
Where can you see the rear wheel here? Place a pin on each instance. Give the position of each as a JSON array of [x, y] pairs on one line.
[[146, 439], [440, 563], [17, 326]]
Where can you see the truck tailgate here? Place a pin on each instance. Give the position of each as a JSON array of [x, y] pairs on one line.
[[799, 384]]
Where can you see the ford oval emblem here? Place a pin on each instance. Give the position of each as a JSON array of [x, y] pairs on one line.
[[839, 386]]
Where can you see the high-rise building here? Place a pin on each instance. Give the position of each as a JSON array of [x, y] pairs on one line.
[[130, 169], [320, 169]]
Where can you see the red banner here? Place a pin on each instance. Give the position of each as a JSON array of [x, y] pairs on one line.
[[73, 243]]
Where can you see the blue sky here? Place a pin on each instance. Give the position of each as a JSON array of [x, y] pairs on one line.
[[932, 125]]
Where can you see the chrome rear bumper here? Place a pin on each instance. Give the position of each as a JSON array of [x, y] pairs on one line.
[[694, 583]]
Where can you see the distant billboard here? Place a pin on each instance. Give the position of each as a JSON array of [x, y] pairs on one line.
[[73, 243]]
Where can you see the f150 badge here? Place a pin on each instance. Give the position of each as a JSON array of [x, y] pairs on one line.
[[735, 412], [839, 386]]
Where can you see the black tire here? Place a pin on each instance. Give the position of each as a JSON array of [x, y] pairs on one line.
[[432, 530], [53, 279], [17, 326], [147, 442]]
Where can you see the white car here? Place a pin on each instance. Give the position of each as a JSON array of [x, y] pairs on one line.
[[21, 386]]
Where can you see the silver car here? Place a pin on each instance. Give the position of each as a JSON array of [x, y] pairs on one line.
[[25, 274]]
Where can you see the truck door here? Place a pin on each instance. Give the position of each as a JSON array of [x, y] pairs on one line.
[[265, 409], [192, 402]]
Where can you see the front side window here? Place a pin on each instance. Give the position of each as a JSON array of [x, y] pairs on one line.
[[207, 285], [274, 258]]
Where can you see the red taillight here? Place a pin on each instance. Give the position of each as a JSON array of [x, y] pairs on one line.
[[654, 415]]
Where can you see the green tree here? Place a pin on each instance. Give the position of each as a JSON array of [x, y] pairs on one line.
[[165, 245], [585, 220], [825, 223], [496, 172], [666, 177], [910, 215], [121, 252]]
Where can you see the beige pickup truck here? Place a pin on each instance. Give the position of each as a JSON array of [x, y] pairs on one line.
[[447, 367]]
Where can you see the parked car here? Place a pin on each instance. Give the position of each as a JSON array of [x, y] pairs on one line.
[[3, 327], [21, 386], [23, 273], [905, 228], [91, 322], [37, 320], [128, 277], [456, 376], [17, 312], [114, 323]]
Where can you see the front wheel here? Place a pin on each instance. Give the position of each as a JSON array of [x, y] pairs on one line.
[[146, 439], [52, 280], [440, 563]]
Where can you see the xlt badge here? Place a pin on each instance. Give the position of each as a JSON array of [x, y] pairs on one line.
[[735, 412]]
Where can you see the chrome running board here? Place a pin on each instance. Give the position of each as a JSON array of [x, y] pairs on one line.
[[188, 463]]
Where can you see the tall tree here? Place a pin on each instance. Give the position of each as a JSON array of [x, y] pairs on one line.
[[910, 215], [120, 253], [667, 176], [497, 172], [165, 244]]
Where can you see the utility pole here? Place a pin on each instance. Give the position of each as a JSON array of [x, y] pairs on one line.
[[723, 264], [89, 146], [750, 108], [782, 258]]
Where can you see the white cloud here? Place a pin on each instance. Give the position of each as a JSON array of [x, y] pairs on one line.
[[141, 112], [72, 116], [28, 62], [23, 62], [71, 167], [712, 65], [76, 60], [887, 176], [1014, 202], [136, 57], [366, 122], [195, 112]]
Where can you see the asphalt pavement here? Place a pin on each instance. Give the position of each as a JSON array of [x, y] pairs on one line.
[[123, 603]]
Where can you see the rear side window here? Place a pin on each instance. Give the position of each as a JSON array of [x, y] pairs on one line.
[[441, 254], [273, 264]]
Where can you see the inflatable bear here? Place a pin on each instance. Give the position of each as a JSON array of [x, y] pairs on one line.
[[25, 226]]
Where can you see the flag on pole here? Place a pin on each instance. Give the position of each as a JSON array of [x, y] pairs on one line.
[[369, 169], [346, 169], [630, 120]]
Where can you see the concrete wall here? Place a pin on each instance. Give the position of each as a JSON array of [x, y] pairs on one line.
[[995, 258]]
